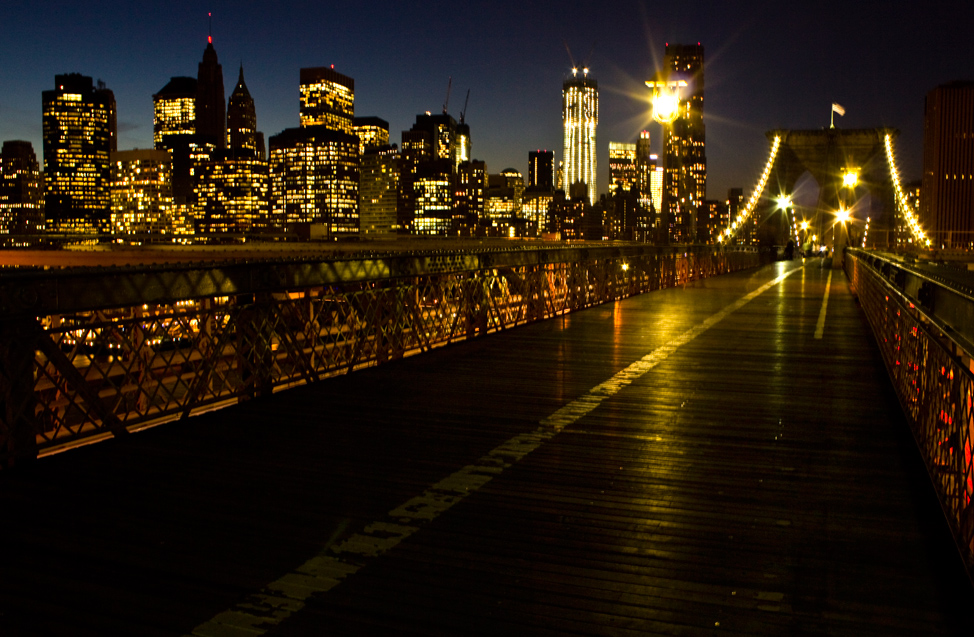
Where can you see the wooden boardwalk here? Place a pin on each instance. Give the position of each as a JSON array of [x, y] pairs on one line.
[[691, 461]]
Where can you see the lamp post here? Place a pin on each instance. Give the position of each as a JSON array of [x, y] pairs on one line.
[[666, 109], [850, 179], [841, 217]]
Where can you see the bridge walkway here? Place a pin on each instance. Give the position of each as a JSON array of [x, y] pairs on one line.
[[690, 461]]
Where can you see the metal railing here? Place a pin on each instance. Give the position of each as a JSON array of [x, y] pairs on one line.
[[92, 353], [930, 366]]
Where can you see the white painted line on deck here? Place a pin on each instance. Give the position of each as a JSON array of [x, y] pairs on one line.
[[820, 327], [285, 596]]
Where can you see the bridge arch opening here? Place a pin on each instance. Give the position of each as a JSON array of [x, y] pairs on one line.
[[844, 171]]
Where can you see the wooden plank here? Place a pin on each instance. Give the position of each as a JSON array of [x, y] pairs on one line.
[[756, 478]]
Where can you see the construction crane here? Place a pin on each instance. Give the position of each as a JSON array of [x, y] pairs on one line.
[[446, 102], [463, 113]]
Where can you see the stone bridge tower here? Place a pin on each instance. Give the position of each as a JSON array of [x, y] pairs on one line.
[[828, 155]]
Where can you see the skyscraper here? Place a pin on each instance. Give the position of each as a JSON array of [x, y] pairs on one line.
[[79, 136], [232, 193], [327, 99], [469, 198], [429, 155], [373, 132], [645, 165], [242, 121], [211, 107], [379, 191], [947, 201], [141, 192], [541, 170], [685, 162], [622, 166], [580, 118], [314, 180], [174, 111], [174, 128], [21, 189]]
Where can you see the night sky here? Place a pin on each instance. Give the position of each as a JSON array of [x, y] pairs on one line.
[[768, 65]]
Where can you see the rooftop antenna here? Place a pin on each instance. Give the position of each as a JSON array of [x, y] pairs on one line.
[[446, 102], [463, 113], [209, 36]]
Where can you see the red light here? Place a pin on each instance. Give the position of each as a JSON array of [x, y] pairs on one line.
[[209, 39], [332, 67]]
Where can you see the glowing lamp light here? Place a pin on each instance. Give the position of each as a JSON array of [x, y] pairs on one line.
[[666, 99], [784, 202], [842, 215], [850, 179], [804, 225]]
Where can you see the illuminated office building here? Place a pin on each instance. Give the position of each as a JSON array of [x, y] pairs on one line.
[[534, 209], [541, 170], [231, 194], [580, 118], [503, 209], [656, 187], [433, 137], [469, 198], [710, 214], [211, 107], [646, 163], [622, 166], [567, 216], [314, 180], [684, 144], [79, 136], [431, 140], [379, 191], [624, 214], [174, 128], [327, 99], [21, 189], [174, 111], [947, 206], [432, 195], [372, 132], [141, 192], [242, 138], [464, 147]]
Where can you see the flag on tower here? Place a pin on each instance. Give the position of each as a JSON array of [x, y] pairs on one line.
[[837, 108]]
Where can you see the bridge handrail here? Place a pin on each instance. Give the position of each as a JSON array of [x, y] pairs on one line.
[[92, 354], [53, 291], [944, 301], [930, 367]]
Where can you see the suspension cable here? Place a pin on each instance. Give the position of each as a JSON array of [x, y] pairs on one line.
[[901, 201], [738, 223]]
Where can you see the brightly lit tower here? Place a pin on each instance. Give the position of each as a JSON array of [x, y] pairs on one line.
[[79, 136], [327, 99], [580, 117]]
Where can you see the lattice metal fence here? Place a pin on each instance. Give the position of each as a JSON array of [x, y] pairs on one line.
[[102, 360], [935, 387]]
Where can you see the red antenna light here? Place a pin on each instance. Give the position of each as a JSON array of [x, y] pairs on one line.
[[209, 38]]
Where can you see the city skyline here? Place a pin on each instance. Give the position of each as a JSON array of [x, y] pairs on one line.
[[767, 67]]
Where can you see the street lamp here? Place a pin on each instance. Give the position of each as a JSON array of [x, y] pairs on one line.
[[666, 109], [666, 99]]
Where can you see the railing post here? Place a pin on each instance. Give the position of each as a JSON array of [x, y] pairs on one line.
[[253, 347], [19, 422]]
